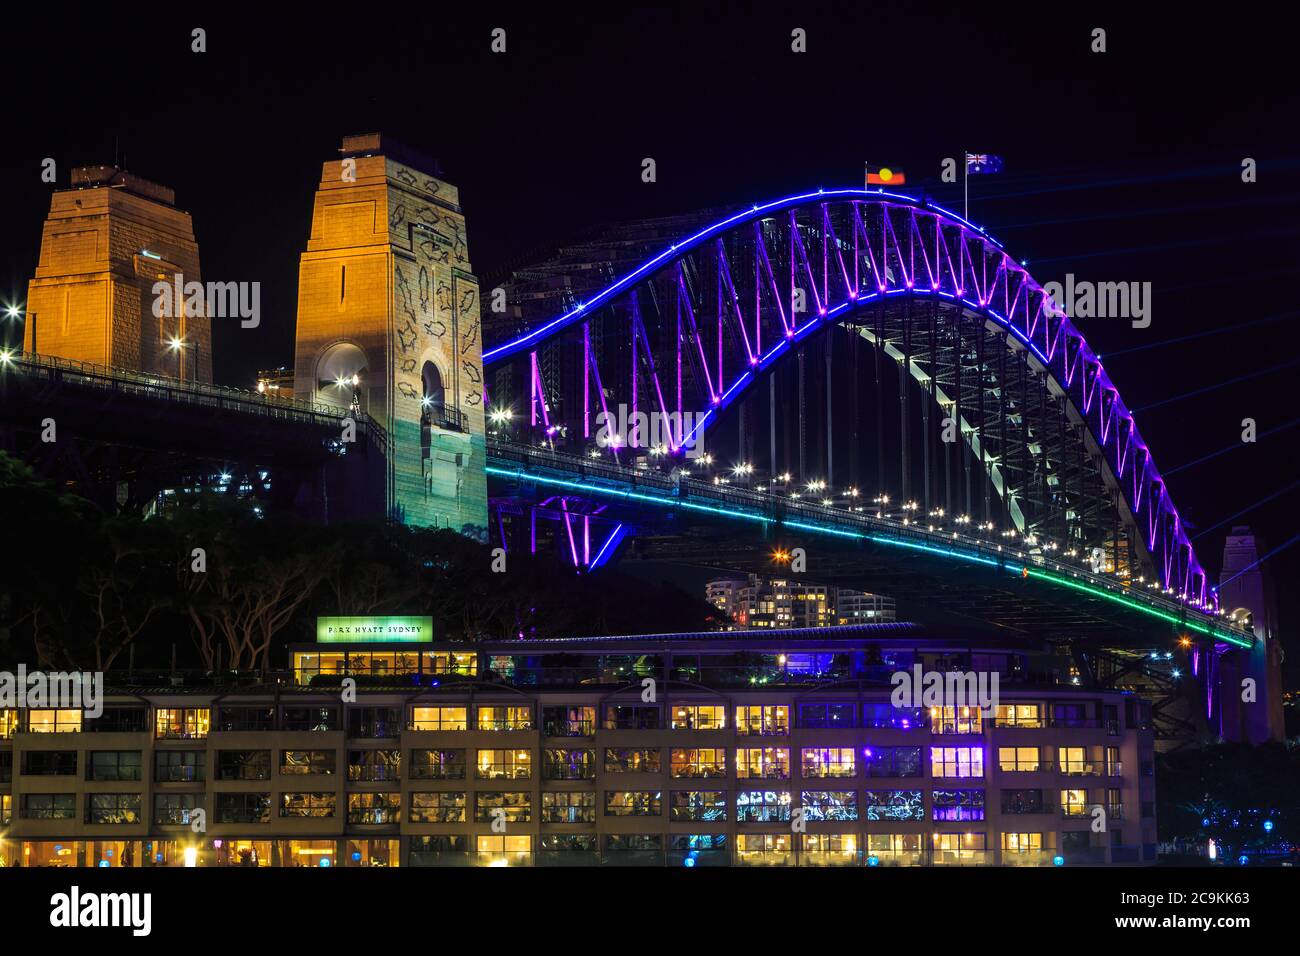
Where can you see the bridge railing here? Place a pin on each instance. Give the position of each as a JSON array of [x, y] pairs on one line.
[[59, 370], [770, 506]]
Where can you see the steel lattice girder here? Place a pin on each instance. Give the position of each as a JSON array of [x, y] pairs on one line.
[[699, 322]]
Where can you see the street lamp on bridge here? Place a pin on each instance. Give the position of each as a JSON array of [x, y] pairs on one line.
[[14, 312]]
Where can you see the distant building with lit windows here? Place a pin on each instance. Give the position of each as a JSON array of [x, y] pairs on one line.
[[753, 603], [558, 741]]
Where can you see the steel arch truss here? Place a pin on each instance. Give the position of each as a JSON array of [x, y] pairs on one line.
[[685, 333]]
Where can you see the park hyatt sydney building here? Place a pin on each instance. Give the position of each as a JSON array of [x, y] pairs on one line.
[[677, 749]]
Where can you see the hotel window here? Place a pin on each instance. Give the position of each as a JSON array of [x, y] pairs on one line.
[[828, 762], [886, 716], [892, 761], [6, 766], [1114, 767], [1074, 803], [306, 762], [706, 762], [574, 806], [374, 722], [54, 721], [175, 809], [172, 723], [1022, 843], [451, 662], [243, 765], [568, 721], [631, 717], [1018, 759], [120, 720], [1070, 715], [437, 765], [893, 805], [505, 718], [317, 805], [243, 808], [442, 807], [1114, 805], [831, 844], [634, 843], [697, 842], [633, 803], [374, 808], [568, 764], [49, 806], [1022, 801], [703, 805], [893, 844], [430, 850], [763, 763], [504, 846], [8, 723], [374, 766], [570, 842], [762, 806], [699, 717], [1073, 760], [1018, 715], [826, 714], [113, 808], [632, 760], [6, 809], [956, 761], [50, 763], [113, 765], [313, 719], [763, 847], [245, 718], [765, 720], [955, 720], [515, 807], [959, 805], [957, 846], [179, 766], [504, 765], [830, 804], [439, 718]]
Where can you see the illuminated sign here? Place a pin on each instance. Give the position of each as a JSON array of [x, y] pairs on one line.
[[345, 630]]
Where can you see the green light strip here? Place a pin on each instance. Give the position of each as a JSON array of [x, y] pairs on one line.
[[1137, 606], [882, 539]]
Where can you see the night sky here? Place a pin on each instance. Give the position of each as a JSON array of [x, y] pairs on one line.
[[1121, 166]]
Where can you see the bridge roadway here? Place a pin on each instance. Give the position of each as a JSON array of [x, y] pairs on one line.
[[123, 436], [1002, 585]]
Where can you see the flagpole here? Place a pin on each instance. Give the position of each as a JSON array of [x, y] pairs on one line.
[[965, 186]]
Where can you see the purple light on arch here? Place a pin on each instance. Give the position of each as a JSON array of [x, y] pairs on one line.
[[1179, 566]]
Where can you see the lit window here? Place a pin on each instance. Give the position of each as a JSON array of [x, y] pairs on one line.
[[1018, 759], [438, 718], [828, 762], [176, 722], [957, 761], [699, 717], [54, 721], [763, 720]]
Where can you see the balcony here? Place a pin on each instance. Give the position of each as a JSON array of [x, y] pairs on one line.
[[1073, 769]]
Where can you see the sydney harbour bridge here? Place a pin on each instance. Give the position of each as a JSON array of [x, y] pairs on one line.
[[860, 374]]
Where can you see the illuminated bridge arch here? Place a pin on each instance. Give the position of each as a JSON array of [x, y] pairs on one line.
[[685, 319]]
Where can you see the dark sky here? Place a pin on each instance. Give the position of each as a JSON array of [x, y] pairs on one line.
[[1120, 166]]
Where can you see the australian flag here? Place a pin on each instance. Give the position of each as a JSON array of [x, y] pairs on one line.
[[979, 163]]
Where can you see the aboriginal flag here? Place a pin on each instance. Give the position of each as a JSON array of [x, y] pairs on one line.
[[884, 176]]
